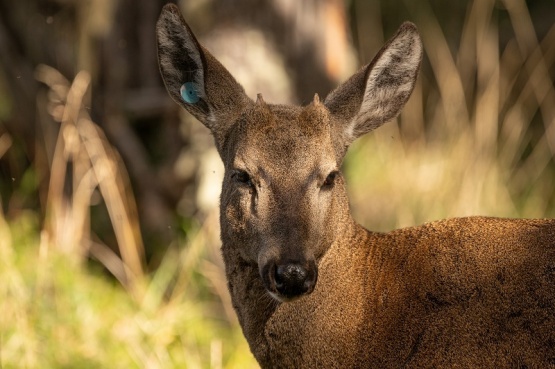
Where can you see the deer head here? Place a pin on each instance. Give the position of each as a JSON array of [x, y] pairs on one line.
[[283, 199]]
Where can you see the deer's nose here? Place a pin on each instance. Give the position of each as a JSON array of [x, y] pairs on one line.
[[293, 279]]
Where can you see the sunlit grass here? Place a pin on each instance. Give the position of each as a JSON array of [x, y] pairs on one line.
[[61, 311], [59, 314], [471, 139]]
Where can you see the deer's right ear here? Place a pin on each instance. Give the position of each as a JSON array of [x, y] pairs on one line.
[[194, 78], [378, 92]]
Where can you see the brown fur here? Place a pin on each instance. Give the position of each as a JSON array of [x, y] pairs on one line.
[[471, 293]]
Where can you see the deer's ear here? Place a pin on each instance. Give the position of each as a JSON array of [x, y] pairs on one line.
[[194, 78], [377, 92]]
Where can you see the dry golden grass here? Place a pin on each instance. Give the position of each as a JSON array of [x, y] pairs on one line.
[[470, 140], [59, 313]]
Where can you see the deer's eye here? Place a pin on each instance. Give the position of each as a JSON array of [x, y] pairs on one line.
[[242, 177], [330, 180]]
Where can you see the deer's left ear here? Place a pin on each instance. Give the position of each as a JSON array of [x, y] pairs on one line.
[[378, 92]]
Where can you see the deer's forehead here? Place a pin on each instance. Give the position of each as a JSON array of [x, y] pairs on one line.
[[288, 127], [287, 137]]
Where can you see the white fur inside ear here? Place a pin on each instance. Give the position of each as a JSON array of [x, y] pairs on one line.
[[389, 83]]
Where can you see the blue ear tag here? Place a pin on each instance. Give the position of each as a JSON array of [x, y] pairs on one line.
[[189, 93]]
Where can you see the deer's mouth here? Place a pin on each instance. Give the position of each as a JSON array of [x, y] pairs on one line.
[[288, 281]]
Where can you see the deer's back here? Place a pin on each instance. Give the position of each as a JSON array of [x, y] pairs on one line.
[[467, 292]]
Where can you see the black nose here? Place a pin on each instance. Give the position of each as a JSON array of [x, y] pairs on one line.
[[293, 280]]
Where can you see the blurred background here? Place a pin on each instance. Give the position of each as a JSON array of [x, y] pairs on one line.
[[109, 246]]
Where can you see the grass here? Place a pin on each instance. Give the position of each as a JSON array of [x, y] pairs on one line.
[[59, 314], [60, 311], [477, 137]]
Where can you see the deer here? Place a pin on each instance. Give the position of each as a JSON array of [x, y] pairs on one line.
[[314, 289]]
